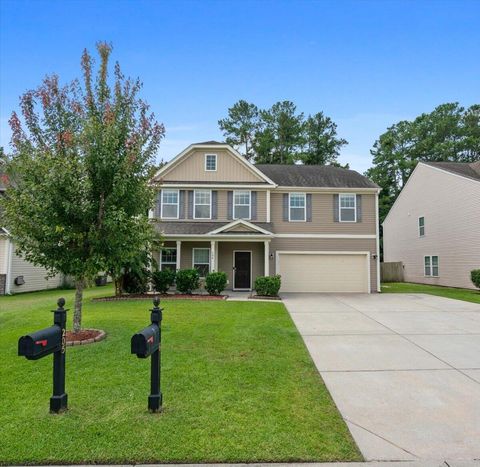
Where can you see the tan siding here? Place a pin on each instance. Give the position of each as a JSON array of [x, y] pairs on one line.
[[192, 169], [261, 206], [225, 258], [451, 207], [3, 255], [34, 276], [302, 244], [322, 217]]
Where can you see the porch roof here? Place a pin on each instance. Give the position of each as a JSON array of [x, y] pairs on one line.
[[204, 228]]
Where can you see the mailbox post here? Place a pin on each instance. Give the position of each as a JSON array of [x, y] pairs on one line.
[[45, 342], [146, 343]]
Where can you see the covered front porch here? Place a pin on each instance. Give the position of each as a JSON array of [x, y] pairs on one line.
[[240, 249]]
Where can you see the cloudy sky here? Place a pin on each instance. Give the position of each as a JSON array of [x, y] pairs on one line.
[[366, 64]]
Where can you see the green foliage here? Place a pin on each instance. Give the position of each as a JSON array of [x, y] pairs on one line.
[[79, 171], [268, 286], [136, 281], [163, 280], [449, 133], [280, 135], [136, 275], [187, 280], [215, 282], [475, 276]]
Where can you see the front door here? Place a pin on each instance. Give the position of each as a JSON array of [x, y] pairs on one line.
[[242, 270]]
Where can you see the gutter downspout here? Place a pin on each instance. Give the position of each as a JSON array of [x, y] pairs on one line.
[[377, 231]]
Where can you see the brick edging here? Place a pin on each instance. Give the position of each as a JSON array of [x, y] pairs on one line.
[[92, 340]]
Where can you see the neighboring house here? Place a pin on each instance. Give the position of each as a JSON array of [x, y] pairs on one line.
[[316, 226], [433, 228], [18, 275]]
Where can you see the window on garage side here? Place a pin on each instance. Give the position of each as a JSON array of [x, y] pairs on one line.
[[431, 266], [201, 260], [168, 259], [348, 207], [421, 226], [297, 207]]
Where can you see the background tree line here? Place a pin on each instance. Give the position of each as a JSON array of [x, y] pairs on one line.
[[281, 135]]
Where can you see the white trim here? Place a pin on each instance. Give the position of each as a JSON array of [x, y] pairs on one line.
[[249, 204], [223, 238], [195, 204], [209, 258], [208, 186], [170, 165], [216, 163], [266, 259], [294, 235], [169, 204], [304, 206], [179, 255], [8, 279], [238, 222], [377, 235], [251, 268], [327, 190], [213, 257], [268, 205], [161, 263], [418, 226], [311, 252], [340, 207]]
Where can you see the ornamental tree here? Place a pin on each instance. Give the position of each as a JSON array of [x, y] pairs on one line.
[[79, 195]]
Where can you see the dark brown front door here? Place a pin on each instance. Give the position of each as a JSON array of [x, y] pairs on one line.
[[242, 276]]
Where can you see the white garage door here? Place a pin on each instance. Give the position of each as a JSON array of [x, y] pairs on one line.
[[322, 272]]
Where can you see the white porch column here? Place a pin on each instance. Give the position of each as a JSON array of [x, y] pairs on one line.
[[266, 267], [213, 255], [179, 254]]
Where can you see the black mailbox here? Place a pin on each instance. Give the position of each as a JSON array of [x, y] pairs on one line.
[[41, 343], [145, 342]]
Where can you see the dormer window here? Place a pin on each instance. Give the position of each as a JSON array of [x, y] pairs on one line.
[[210, 162]]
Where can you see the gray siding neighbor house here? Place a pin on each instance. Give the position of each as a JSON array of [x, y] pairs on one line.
[[433, 228], [316, 226]]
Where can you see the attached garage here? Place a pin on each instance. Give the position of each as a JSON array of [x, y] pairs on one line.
[[323, 271]]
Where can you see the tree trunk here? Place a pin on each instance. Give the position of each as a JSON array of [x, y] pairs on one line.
[[77, 312], [118, 286]]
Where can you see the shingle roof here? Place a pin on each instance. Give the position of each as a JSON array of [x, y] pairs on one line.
[[209, 143], [198, 228], [465, 169], [315, 176]]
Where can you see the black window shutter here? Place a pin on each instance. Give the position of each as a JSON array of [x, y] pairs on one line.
[[214, 204], [190, 204], [335, 208], [285, 207], [230, 205], [359, 208], [253, 202], [181, 205], [309, 207]]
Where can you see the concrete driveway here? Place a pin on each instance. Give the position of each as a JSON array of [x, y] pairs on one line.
[[403, 369]]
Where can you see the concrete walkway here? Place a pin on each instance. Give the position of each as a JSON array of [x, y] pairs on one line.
[[403, 369]]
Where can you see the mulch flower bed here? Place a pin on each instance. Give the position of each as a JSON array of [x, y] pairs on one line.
[[164, 296], [263, 297], [85, 336]]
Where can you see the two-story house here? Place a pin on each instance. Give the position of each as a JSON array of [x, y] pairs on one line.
[[433, 228], [316, 226]]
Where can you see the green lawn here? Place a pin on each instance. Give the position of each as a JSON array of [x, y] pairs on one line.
[[449, 292], [238, 384]]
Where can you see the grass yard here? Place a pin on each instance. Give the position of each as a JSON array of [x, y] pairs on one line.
[[449, 292], [238, 384]]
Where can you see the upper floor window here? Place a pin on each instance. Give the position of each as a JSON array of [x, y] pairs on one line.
[[202, 204], [348, 207], [297, 207], [169, 204], [241, 205], [201, 261], [421, 226], [431, 266], [210, 162], [168, 259]]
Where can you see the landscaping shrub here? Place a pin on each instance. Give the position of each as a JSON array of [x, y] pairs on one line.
[[163, 280], [268, 285], [475, 276], [215, 282], [187, 280], [136, 281]]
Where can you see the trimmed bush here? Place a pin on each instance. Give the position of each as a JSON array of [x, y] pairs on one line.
[[163, 280], [268, 285], [187, 280], [215, 282], [475, 276], [136, 281]]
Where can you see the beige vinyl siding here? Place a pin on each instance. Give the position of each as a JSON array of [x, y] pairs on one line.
[[3, 254], [450, 205], [192, 169], [304, 244], [222, 207], [34, 276], [322, 217]]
